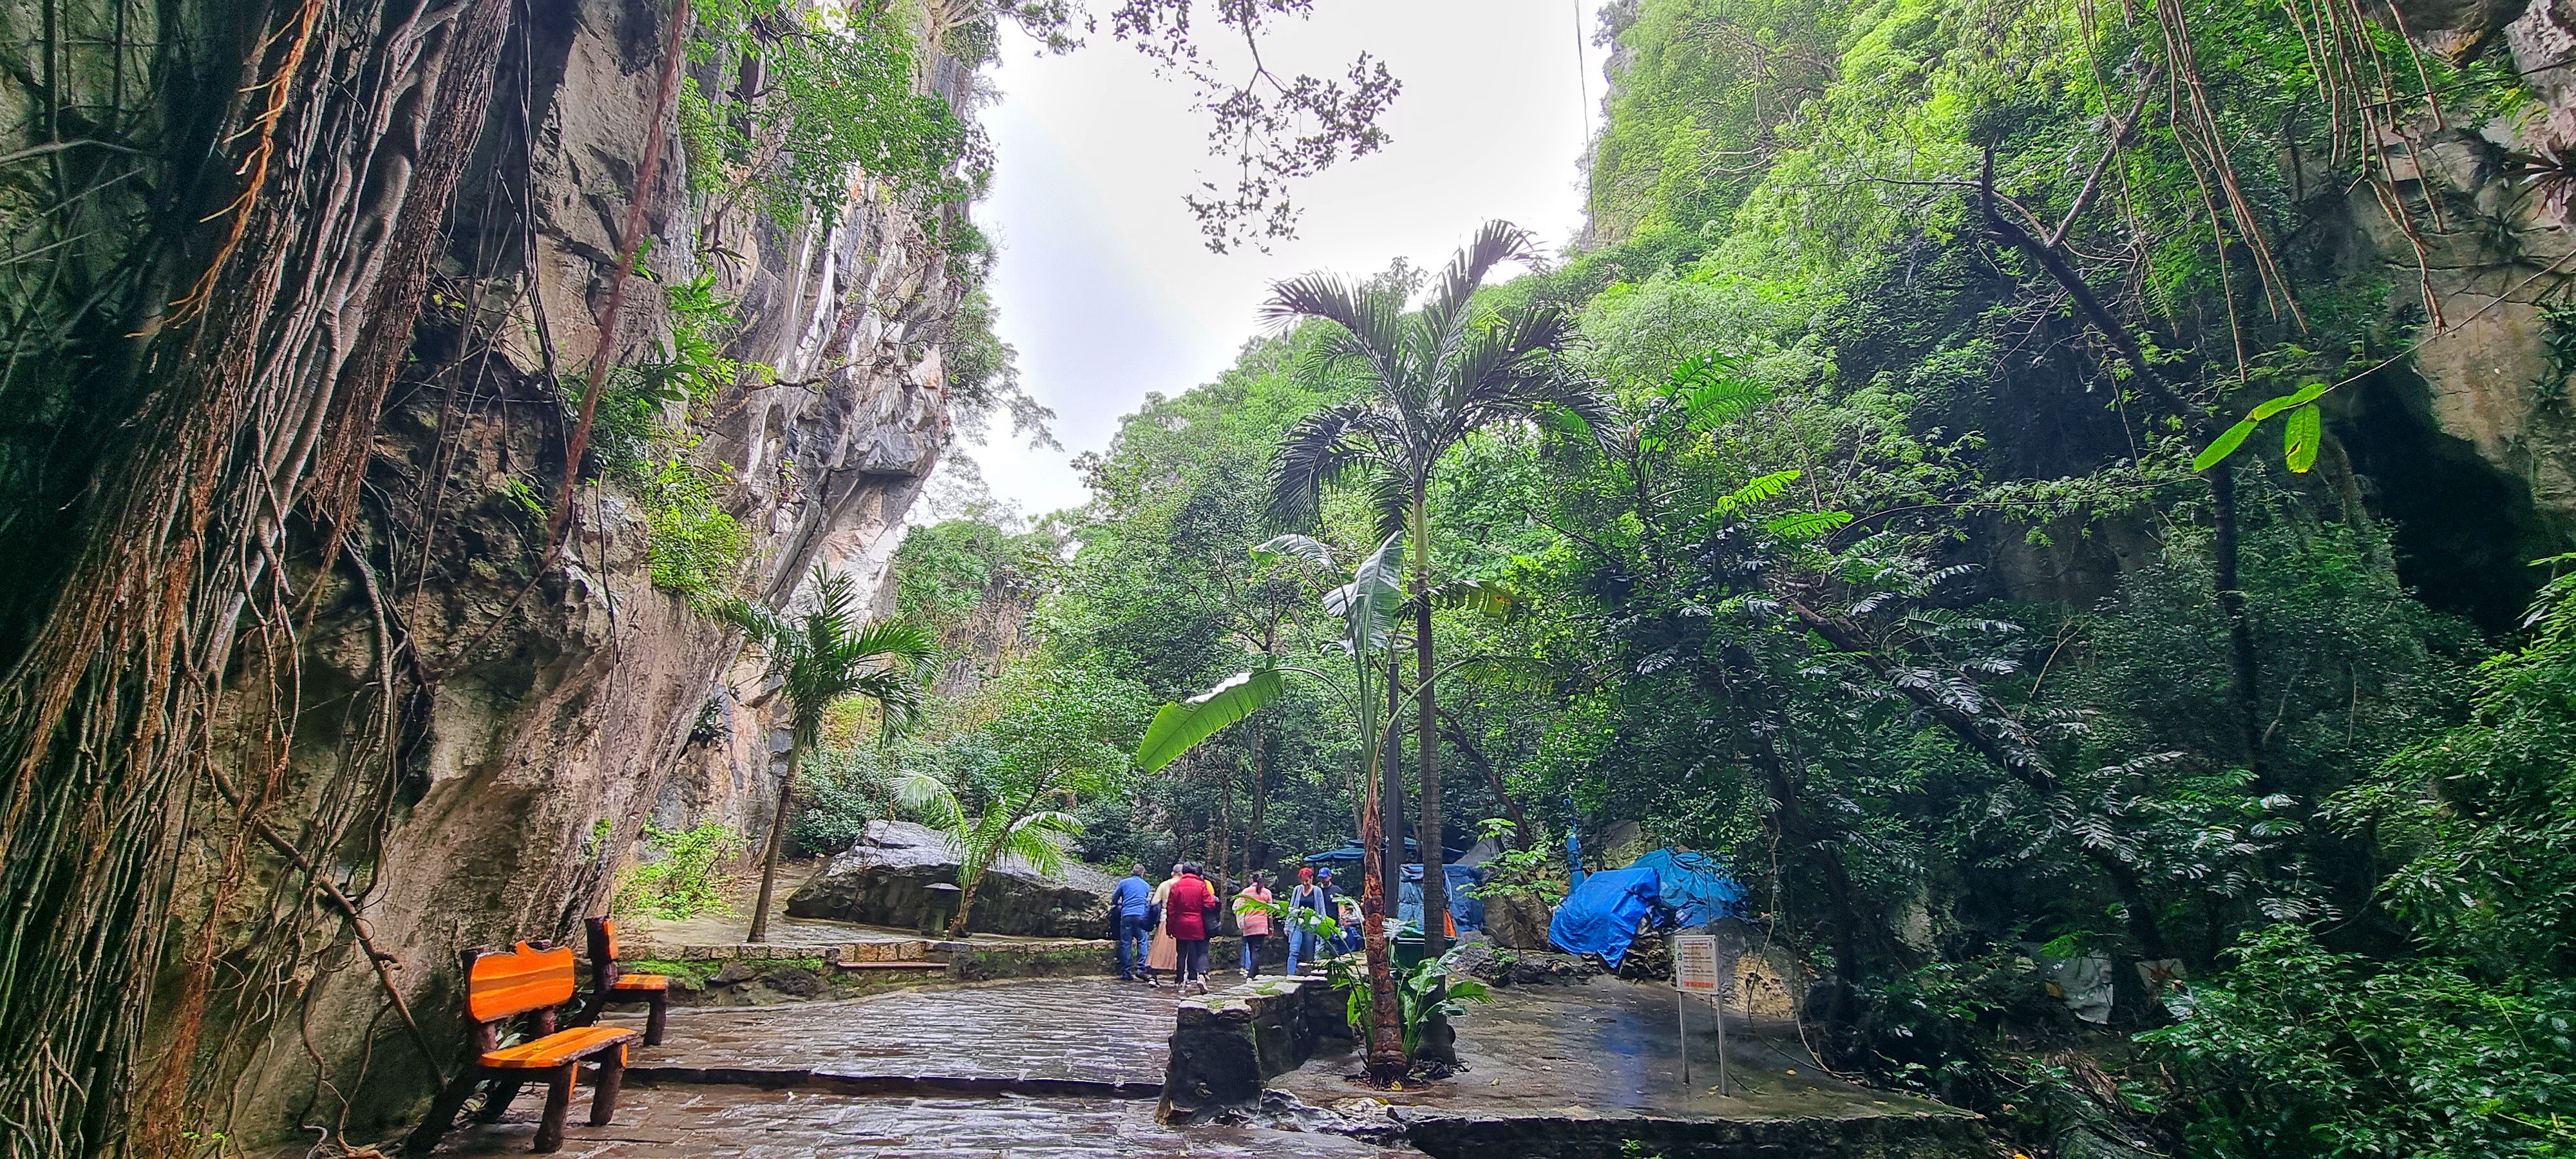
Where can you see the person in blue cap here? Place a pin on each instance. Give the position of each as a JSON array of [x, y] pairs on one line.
[[1129, 907]]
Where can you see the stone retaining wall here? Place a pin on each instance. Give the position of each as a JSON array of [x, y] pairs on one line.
[[1229, 1043]]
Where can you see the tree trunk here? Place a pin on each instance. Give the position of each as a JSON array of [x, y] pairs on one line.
[[1435, 854], [965, 906], [2240, 631], [1256, 846], [1386, 1059], [777, 837], [1520, 837], [1390, 775]]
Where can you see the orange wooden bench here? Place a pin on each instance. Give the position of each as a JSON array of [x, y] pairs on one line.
[[499, 987], [613, 984]]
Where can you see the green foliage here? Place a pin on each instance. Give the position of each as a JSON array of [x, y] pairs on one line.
[[1055, 737], [1430, 989], [694, 546], [681, 876], [838, 791], [2486, 813], [2304, 1051], [838, 94]]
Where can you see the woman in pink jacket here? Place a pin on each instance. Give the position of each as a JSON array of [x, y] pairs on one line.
[[1253, 922]]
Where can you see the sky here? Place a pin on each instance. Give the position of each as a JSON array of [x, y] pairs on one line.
[[1104, 283]]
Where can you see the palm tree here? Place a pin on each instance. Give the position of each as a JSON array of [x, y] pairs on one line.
[[1429, 378], [821, 657]]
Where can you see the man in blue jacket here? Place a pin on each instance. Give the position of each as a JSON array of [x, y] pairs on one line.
[[1127, 908]]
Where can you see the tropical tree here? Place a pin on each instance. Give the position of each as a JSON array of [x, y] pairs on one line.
[[1367, 606], [821, 657], [1427, 379], [1057, 738]]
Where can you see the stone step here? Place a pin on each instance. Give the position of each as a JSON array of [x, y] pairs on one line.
[[911, 965]]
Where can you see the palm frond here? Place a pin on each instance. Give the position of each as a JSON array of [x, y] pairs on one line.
[[926, 794], [1445, 312], [1313, 453], [1710, 390], [1293, 546], [1374, 319], [1761, 488], [1032, 839], [1390, 499], [1500, 368]]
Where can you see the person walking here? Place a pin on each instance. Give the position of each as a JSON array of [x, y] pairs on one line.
[[1164, 954], [1189, 908], [1252, 920], [1302, 943], [1129, 909]]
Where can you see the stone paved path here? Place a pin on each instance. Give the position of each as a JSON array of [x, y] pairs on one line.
[[1086, 1029], [714, 1122]]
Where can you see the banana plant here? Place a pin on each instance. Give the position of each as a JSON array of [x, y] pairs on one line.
[[1367, 607]]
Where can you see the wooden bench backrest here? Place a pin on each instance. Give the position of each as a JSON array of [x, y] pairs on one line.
[[524, 979], [603, 941]]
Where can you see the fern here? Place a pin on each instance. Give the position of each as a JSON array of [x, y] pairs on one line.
[[1807, 525], [1760, 489]]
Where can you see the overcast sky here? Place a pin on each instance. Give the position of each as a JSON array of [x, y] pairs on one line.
[[1104, 283]]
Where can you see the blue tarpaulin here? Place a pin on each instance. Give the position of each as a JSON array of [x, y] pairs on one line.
[[1601, 915], [1467, 912], [1694, 886]]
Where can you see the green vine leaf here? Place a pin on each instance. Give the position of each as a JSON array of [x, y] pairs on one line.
[[2223, 446], [2301, 436]]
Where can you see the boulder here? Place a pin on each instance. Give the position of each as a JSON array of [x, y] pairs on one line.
[[885, 880], [1517, 921]]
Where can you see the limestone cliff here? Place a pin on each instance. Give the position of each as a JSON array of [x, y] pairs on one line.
[[550, 702]]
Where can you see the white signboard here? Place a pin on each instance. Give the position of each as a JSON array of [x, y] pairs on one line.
[[1695, 972], [1695, 965]]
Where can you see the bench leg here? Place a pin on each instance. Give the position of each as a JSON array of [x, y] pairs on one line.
[[654, 1022], [442, 1112], [558, 1101], [612, 1078], [497, 1099]]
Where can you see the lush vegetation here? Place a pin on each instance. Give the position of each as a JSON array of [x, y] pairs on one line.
[[1890, 528]]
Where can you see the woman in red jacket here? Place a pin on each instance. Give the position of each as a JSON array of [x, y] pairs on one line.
[[1190, 915]]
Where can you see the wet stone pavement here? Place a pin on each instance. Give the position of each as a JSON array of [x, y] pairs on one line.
[[723, 1122], [1609, 1046], [1093, 1030]]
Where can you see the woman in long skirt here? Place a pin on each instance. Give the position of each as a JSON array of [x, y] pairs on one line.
[[1165, 954]]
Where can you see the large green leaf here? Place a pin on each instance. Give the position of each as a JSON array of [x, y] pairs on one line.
[[2223, 446], [2301, 436], [1368, 603], [1179, 727]]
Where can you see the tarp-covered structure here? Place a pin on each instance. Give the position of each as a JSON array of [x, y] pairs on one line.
[[1601, 915], [1694, 886], [1468, 913], [1672, 887]]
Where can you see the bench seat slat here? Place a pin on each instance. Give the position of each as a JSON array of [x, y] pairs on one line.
[[500, 985], [556, 1049], [641, 982]]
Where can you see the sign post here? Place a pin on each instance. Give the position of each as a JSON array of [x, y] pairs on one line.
[[1695, 972]]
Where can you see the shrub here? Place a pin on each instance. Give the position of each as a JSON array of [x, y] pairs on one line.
[[680, 879]]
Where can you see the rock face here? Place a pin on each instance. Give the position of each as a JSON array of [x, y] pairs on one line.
[[549, 707], [886, 878]]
